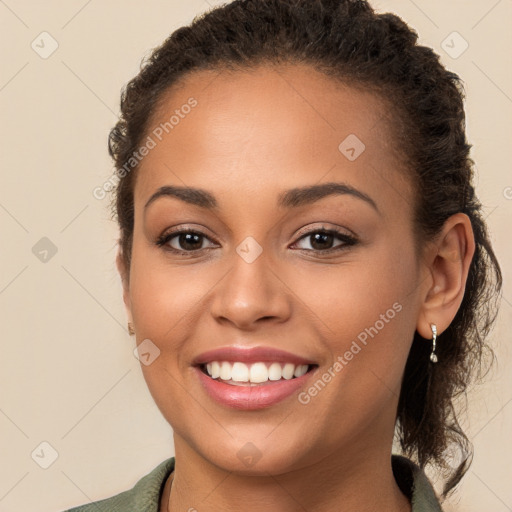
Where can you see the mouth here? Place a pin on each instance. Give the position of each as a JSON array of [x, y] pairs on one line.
[[252, 378], [260, 373]]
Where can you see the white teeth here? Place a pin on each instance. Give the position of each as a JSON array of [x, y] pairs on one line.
[[215, 369], [288, 371], [258, 372], [240, 372], [255, 373], [300, 370], [225, 371], [275, 371]]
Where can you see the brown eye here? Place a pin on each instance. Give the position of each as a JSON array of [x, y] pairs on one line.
[[183, 241], [322, 240]]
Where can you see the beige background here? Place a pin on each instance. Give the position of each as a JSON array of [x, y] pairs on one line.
[[68, 376]]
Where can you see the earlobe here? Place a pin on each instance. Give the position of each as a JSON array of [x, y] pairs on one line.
[[449, 265]]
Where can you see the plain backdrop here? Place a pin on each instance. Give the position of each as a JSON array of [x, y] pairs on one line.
[[72, 396]]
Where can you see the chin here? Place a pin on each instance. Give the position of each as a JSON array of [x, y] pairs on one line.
[[256, 458]]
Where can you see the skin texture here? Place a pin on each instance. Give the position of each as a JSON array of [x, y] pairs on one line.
[[252, 136]]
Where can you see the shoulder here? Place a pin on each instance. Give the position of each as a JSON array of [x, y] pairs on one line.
[[415, 485], [143, 497]]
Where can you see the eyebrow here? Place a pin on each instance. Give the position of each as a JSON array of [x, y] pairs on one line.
[[292, 198]]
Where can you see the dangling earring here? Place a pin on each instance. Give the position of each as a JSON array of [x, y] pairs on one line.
[[433, 356], [131, 330]]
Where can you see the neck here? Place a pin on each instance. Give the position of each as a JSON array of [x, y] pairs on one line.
[[341, 481]]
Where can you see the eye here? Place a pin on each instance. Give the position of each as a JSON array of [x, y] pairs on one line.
[[182, 241], [322, 240]]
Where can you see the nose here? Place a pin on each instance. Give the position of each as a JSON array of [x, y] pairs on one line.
[[252, 294]]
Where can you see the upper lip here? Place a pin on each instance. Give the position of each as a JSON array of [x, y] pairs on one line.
[[249, 355]]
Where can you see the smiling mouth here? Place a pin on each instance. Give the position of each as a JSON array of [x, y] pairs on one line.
[[237, 373]]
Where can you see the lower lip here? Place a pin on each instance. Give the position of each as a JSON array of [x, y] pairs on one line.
[[251, 397]]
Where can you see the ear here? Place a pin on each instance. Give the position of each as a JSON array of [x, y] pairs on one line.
[[124, 274], [448, 263]]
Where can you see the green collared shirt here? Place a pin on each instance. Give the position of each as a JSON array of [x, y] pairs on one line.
[[145, 495]]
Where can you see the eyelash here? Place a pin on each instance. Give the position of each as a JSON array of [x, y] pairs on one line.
[[348, 240]]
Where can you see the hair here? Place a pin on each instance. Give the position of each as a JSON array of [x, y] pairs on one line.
[[349, 42]]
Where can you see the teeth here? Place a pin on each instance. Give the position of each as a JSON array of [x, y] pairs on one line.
[[288, 371], [255, 373], [258, 373], [239, 372], [225, 371], [275, 371], [215, 372]]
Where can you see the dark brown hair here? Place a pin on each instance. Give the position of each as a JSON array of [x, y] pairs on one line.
[[349, 42]]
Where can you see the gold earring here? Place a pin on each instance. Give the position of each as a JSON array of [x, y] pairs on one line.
[[433, 356], [131, 330]]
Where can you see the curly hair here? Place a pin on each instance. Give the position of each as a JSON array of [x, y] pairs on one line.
[[348, 41]]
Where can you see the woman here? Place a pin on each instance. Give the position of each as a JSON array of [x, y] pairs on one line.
[[304, 262]]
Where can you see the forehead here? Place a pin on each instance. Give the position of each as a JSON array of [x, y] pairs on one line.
[[269, 125]]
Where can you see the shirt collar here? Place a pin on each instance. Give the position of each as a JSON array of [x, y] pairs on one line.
[[415, 485]]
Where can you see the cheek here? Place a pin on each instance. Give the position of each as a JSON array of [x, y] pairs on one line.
[[162, 295], [351, 295], [365, 312], [162, 303]]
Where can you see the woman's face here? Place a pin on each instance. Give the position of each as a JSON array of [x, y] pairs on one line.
[[262, 268]]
